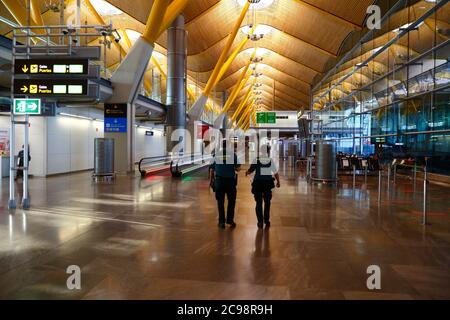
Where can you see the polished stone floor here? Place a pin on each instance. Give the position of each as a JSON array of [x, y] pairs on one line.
[[157, 239]]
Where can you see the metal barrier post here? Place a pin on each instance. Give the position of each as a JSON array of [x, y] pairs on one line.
[[337, 170], [26, 165], [309, 168], [389, 180], [395, 173], [415, 173], [365, 174], [354, 176], [379, 186], [425, 185]]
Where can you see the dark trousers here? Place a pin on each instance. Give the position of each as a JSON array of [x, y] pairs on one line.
[[262, 193], [226, 187], [19, 172]]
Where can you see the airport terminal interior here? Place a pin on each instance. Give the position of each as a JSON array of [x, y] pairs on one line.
[[124, 107]]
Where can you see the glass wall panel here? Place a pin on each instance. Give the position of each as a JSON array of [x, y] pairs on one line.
[[401, 97]]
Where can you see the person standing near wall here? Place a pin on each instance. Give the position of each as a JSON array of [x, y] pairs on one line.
[[20, 156], [266, 172]]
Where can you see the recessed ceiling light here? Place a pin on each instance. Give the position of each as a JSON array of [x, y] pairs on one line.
[[105, 9], [261, 29], [260, 52], [255, 4], [259, 66]]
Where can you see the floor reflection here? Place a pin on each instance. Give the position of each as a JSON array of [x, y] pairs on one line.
[[158, 239]]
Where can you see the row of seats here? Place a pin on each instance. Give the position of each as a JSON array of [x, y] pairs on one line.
[[346, 162]]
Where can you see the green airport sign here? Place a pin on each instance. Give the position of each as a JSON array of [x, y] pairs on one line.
[[266, 117], [271, 117], [27, 106]]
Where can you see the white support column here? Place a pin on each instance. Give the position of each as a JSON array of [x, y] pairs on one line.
[[126, 81]]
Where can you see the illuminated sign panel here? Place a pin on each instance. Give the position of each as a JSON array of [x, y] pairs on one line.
[[50, 87], [266, 117], [51, 67], [27, 106], [115, 117]]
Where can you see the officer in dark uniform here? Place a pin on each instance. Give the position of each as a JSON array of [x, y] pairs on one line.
[[224, 171], [266, 172]]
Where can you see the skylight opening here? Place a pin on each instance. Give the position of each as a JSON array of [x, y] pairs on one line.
[[105, 8]]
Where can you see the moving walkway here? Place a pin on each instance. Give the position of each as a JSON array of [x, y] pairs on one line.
[[178, 166]]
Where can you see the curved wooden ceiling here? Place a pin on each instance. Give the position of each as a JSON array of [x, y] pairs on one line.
[[305, 35]]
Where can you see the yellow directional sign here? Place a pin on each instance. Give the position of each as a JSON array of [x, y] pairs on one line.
[[50, 87], [34, 68], [51, 67]]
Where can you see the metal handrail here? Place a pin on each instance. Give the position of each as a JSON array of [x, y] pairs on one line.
[[172, 161], [176, 168], [151, 162]]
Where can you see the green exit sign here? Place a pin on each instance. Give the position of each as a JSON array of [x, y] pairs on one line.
[[27, 106], [266, 117]]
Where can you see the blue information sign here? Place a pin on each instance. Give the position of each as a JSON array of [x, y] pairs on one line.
[[115, 117], [115, 124]]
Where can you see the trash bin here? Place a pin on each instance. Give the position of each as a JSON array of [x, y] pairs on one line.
[[103, 156], [292, 154], [325, 161]]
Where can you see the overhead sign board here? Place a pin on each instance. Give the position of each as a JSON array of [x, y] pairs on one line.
[[50, 87], [115, 117], [271, 117], [266, 117], [32, 67], [27, 106]]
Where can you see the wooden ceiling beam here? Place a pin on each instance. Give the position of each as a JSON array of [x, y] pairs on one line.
[[283, 74], [329, 14]]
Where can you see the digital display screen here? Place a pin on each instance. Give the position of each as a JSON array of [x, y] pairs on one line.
[[76, 68], [48, 67], [58, 89], [75, 89], [59, 68], [49, 87]]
